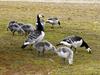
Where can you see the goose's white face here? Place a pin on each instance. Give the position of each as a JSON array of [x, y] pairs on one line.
[[40, 15], [89, 49]]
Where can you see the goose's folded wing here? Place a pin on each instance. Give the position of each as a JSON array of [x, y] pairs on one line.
[[33, 36]]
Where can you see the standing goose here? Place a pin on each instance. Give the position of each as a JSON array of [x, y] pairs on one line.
[[36, 35], [53, 21], [75, 41], [43, 46], [66, 53]]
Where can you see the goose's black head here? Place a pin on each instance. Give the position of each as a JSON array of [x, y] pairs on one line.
[[39, 26], [59, 22]]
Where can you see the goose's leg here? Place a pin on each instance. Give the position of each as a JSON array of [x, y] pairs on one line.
[[70, 58], [52, 26], [25, 33], [63, 60], [19, 32], [60, 26], [43, 52], [38, 53], [70, 61], [13, 32], [7, 28], [71, 47], [31, 45], [75, 51]]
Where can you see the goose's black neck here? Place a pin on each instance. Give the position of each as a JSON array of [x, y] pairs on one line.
[[38, 18], [39, 25], [84, 44]]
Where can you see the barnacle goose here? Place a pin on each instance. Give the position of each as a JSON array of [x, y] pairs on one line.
[[14, 27], [65, 52], [43, 46], [36, 35], [53, 21], [41, 21], [74, 42]]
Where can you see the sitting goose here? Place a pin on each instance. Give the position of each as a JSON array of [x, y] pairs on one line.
[[36, 35], [75, 41], [53, 21]]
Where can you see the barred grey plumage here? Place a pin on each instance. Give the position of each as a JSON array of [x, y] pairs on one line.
[[43, 46], [66, 53], [27, 28], [14, 27], [32, 37]]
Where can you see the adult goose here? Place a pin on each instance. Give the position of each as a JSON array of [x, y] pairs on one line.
[[74, 42], [53, 21], [36, 35]]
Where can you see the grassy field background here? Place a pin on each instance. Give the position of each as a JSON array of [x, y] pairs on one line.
[[84, 21]]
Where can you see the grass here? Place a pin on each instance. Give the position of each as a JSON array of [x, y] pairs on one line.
[[84, 21]]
